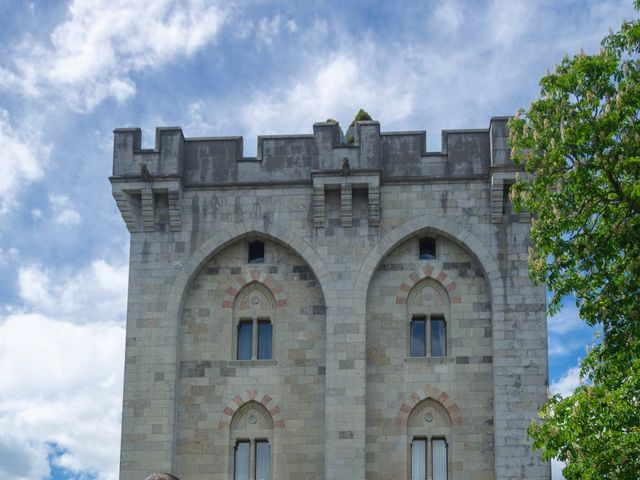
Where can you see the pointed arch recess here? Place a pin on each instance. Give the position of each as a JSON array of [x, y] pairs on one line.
[[427, 272], [254, 276], [452, 230], [248, 406], [221, 239], [424, 393], [251, 395]]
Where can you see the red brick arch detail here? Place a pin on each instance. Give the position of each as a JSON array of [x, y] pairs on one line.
[[250, 395], [254, 276], [428, 272], [414, 398]]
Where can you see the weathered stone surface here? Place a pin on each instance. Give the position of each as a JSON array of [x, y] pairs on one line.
[[162, 476], [341, 281]]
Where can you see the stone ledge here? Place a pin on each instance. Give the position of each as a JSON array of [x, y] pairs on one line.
[[252, 363], [436, 360]]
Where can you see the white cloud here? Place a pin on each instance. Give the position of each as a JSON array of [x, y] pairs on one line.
[[421, 82], [36, 214], [292, 26], [556, 469], [268, 28], [100, 287], [102, 43], [22, 159], [61, 384], [21, 458], [565, 321], [64, 211], [567, 383], [449, 15], [197, 123], [507, 21], [335, 87], [10, 255], [53, 355], [568, 333], [61, 371]]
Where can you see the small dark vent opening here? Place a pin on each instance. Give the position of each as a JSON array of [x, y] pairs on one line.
[[427, 248], [256, 252]]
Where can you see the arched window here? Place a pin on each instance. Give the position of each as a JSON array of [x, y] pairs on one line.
[[251, 439], [253, 315], [429, 437], [428, 313]]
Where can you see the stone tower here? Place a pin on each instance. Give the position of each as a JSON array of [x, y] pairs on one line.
[[328, 310]]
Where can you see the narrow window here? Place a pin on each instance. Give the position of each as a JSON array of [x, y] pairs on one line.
[[245, 338], [438, 337], [418, 331], [256, 252], [263, 460], [264, 339], [418, 459], [439, 458], [427, 248], [242, 460]]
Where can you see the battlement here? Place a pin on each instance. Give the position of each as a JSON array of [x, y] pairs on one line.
[[293, 158]]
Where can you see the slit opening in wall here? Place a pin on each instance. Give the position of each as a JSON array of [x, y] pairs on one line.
[[256, 251], [507, 207], [427, 248]]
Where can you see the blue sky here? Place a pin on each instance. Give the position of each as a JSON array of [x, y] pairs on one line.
[[72, 71]]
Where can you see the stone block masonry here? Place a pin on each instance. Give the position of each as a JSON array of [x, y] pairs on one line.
[[325, 323]]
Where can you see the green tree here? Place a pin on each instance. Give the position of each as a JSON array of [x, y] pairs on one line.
[[360, 117], [580, 146]]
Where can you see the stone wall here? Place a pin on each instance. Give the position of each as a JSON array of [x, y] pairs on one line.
[[461, 380], [345, 241], [213, 385]]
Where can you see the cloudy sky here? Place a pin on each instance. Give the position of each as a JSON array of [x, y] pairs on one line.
[[72, 71]]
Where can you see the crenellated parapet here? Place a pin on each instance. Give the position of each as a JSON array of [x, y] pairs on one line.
[[146, 180]]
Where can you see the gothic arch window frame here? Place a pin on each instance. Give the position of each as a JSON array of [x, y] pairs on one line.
[[430, 422], [244, 429], [263, 312], [416, 310]]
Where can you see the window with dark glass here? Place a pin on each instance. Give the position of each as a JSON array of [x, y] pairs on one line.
[[254, 339], [256, 251], [428, 336], [263, 460], [252, 460], [432, 466], [439, 459], [242, 459], [418, 337], [245, 339], [427, 248], [438, 336], [265, 333], [419, 459]]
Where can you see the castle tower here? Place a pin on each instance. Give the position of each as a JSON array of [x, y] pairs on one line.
[[328, 310]]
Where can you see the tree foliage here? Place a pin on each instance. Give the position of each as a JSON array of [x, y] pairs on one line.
[[360, 117], [580, 146]]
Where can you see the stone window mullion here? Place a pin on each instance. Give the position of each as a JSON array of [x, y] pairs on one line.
[[254, 339], [427, 334], [252, 459], [429, 457]]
